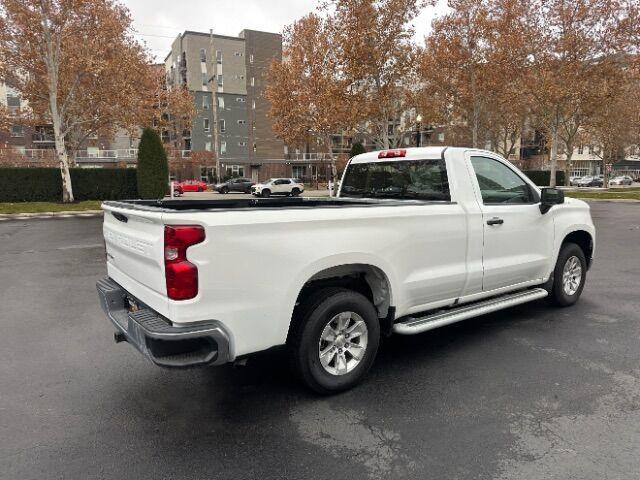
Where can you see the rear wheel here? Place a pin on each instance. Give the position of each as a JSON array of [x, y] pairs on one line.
[[569, 275], [334, 339]]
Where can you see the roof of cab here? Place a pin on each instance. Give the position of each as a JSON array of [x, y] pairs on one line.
[[413, 153]]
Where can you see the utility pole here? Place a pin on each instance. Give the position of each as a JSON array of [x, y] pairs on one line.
[[213, 81]]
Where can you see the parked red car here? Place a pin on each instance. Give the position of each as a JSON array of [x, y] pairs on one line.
[[193, 186], [177, 189]]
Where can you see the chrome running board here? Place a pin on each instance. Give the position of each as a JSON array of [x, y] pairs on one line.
[[412, 325]]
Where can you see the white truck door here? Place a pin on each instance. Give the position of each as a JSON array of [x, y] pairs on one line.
[[518, 238]]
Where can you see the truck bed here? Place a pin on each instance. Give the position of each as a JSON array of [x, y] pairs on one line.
[[260, 203]]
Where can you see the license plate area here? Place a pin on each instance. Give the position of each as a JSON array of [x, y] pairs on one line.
[[131, 304]]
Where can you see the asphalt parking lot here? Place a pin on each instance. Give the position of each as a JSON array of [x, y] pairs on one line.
[[533, 392]]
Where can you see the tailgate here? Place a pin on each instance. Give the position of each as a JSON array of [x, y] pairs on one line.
[[134, 241]]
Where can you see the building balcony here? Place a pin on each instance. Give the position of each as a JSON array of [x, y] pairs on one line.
[[307, 157], [128, 155]]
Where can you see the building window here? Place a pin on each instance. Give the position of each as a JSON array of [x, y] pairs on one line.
[[242, 144], [580, 149], [253, 81], [13, 100], [205, 102], [242, 122], [441, 137], [220, 81], [223, 126], [207, 146], [251, 58], [205, 124], [17, 131], [298, 171], [204, 79], [235, 170], [219, 57], [253, 104], [238, 54], [221, 103], [240, 99], [255, 148], [223, 147], [203, 55]]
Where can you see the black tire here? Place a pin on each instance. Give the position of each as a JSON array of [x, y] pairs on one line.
[[310, 319], [295, 192], [266, 193], [224, 190], [557, 294]]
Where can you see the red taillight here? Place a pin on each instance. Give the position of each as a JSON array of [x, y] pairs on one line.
[[398, 152], [180, 274]]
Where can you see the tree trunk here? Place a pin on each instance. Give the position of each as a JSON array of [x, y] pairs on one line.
[[553, 155], [334, 170], [51, 61], [61, 148], [385, 135], [476, 123], [63, 159], [567, 163]]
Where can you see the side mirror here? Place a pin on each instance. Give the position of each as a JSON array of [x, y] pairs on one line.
[[550, 197]]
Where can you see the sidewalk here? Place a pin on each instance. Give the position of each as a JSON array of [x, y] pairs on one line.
[[39, 215]]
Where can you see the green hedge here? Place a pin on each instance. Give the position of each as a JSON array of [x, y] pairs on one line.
[[45, 184], [542, 177]]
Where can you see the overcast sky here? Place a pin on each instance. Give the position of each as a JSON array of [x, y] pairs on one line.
[[158, 22]]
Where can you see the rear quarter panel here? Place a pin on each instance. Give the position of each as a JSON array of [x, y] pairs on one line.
[[253, 264]]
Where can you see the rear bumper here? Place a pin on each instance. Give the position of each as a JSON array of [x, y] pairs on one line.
[[166, 345]]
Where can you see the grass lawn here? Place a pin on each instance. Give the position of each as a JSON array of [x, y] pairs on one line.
[[38, 207], [612, 193]]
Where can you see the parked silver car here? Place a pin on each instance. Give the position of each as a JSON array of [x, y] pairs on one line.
[[621, 180]]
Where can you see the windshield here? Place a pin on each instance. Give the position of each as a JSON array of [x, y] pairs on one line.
[[409, 179]]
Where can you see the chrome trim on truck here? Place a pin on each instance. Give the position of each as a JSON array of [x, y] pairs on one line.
[[165, 344]]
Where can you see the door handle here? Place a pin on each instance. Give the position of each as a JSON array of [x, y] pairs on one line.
[[495, 221]]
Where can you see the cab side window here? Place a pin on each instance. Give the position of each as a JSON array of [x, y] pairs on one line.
[[499, 184]]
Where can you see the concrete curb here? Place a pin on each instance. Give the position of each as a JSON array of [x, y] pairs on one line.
[[614, 200], [40, 215]]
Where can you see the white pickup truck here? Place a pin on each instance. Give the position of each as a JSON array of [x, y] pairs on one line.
[[417, 238]]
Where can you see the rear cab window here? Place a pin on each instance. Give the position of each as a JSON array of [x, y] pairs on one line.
[[397, 179]]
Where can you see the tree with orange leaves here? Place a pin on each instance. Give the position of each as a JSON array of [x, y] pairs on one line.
[[373, 40], [578, 46], [77, 65], [453, 70], [309, 97]]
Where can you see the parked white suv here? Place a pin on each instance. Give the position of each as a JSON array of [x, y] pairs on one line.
[[278, 186], [416, 239]]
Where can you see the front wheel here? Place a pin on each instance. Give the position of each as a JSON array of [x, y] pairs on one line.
[[569, 275], [224, 190], [265, 193], [295, 192], [334, 339]]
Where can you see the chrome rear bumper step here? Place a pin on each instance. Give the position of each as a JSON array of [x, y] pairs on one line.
[[412, 325]]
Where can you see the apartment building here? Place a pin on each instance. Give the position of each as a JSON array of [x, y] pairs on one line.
[[21, 140], [226, 76]]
